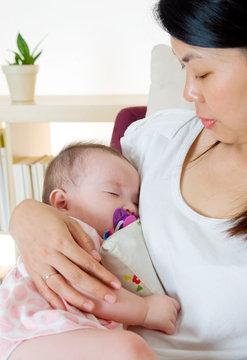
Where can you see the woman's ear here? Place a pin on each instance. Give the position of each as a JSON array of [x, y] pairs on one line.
[[58, 199]]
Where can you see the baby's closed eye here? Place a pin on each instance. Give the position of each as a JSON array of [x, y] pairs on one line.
[[112, 193]]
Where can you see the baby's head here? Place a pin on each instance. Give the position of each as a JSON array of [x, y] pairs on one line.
[[89, 182]]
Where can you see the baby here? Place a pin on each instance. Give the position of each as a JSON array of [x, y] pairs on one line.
[[88, 182]]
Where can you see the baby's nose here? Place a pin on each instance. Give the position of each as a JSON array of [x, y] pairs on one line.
[[131, 209]]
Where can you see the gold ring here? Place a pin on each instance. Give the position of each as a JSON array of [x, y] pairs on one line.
[[50, 274]]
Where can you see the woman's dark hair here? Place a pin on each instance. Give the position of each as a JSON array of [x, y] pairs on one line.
[[211, 24], [205, 23]]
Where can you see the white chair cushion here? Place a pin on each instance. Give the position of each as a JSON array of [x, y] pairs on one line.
[[167, 81]]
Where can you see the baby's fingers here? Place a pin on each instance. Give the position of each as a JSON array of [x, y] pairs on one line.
[[170, 328], [176, 305]]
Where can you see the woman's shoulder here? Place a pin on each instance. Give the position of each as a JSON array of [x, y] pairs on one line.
[[148, 136], [166, 122]]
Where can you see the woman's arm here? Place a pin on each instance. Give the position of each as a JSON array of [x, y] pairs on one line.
[[49, 240], [157, 312]]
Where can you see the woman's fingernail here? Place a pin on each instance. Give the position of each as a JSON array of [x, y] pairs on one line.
[[88, 306], [110, 299], [115, 285], [96, 255], [54, 305]]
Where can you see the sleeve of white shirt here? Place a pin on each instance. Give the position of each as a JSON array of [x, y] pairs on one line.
[[143, 134]]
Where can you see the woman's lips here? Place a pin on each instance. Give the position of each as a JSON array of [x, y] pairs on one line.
[[207, 123]]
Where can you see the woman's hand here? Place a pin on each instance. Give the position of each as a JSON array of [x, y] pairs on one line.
[[49, 241]]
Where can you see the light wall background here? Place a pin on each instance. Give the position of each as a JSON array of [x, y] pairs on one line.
[[92, 46]]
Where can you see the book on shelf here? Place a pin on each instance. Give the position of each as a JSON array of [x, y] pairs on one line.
[[4, 203], [36, 195], [29, 177], [4, 189], [26, 164], [19, 184], [40, 168]]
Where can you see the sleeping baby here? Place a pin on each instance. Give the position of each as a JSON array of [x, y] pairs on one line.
[[98, 187]]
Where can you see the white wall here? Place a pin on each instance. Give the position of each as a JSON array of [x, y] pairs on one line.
[[92, 47]]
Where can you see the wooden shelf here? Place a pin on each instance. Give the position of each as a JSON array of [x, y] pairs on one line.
[[71, 108]]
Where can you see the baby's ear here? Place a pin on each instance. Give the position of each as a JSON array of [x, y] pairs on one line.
[[58, 199]]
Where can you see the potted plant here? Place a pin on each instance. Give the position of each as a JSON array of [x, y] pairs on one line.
[[21, 74]]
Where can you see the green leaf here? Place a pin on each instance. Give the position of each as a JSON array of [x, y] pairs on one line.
[[22, 46], [36, 57], [25, 52], [27, 60], [18, 59], [36, 47]]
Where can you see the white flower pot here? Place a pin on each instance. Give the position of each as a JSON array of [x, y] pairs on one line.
[[21, 81]]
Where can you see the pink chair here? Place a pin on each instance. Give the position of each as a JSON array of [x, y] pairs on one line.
[[124, 118]]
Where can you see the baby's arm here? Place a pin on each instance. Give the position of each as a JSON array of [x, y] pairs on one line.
[[157, 312]]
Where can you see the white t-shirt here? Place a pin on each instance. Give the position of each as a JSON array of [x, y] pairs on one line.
[[196, 260]]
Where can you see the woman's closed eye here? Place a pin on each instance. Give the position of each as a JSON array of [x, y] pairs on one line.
[[202, 76]]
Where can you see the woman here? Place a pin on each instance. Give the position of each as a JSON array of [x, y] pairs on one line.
[[193, 196]]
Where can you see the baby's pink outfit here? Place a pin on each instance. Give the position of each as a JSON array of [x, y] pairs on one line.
[[24, 313]]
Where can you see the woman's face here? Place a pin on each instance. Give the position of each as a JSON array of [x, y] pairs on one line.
[[216, 81]]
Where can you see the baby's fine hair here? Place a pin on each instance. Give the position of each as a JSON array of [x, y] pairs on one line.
[[66, 167]]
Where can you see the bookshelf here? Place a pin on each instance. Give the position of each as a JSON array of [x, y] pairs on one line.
[[27, 130]]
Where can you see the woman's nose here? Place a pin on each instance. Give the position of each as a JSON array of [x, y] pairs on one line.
[[192, 92]]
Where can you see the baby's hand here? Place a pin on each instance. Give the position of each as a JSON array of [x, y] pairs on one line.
[[162, 312]]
